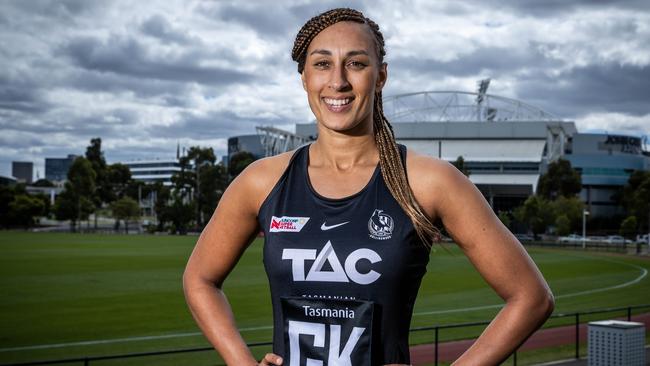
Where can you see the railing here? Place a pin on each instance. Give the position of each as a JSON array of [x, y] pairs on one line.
[[435, 329], [633, 248]]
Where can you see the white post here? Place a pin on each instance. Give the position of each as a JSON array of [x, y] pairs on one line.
[[584, 228]]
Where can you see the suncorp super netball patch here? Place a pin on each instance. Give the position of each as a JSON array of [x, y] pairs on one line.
[[287, 224]]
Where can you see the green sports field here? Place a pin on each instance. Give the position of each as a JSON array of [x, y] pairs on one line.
[[72, 295]]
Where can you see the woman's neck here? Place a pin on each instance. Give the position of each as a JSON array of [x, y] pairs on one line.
[[342, 152]]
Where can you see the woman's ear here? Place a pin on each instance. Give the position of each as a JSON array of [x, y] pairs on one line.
[[382, 77], [302, 78]]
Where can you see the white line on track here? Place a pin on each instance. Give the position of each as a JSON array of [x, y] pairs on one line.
[[644, 273]]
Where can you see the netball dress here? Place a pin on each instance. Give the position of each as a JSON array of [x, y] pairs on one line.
[[343, 273]]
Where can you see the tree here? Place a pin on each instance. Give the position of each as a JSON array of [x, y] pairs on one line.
[[181, 214], [201, 181], [213, 180], [536, 212], [95, 156], [76, 201], [559, 180], [43, 183], [571, 208], [628, 227], [163, 195], [562, 225], [70, 206], [636, 198], [238, 162], [6, 197], [118, 179], [125, 209], [24, 208], [460, 165]]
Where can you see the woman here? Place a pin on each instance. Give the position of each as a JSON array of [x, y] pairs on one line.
[[348, 225]]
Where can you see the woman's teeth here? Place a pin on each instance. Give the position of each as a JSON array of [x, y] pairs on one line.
[[337, 102]]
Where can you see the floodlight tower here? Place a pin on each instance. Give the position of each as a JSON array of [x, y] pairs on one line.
[[480, 97]]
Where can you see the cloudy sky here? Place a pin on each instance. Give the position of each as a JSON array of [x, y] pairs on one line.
[[145, 76]]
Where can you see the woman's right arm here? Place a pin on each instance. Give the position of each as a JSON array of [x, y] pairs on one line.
[[231, 229]]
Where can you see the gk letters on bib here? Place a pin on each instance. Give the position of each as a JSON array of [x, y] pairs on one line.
[[327, 332]]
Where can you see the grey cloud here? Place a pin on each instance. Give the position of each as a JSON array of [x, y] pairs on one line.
[[550, 8], [112, 123], [494, 60], [593, 88], [22, 100], [129, 57], [159, 27], [214, 125], [28, 140], [87, 80], [69, 11], [269, 20]]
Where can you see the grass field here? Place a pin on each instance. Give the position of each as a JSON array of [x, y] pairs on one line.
[[72, 295]]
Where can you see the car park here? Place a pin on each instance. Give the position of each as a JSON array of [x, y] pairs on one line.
[[614, 239], [524, 237], [573, 238]]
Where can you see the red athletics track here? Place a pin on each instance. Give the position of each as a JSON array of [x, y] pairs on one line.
[[552, 337]]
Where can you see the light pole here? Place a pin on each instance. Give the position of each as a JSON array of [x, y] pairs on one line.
[[585, 213]]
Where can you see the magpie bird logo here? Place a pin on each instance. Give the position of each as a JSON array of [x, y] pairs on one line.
[[380, 225]]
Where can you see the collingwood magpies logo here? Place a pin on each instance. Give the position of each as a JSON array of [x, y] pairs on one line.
[[380, 225]]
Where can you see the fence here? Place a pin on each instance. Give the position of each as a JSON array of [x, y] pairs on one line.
[[633, 248], [436, 330]]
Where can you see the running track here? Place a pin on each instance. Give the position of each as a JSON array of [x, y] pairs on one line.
[[552, 337]]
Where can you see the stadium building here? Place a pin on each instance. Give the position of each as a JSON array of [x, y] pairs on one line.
[[605, 163], [506, 145]]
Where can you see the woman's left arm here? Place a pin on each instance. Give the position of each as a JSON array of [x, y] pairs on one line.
[[447, 194]]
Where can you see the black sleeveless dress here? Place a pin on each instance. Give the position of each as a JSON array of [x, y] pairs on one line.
[[343, 273]]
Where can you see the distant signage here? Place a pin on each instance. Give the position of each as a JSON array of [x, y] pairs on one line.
[[624, 144]]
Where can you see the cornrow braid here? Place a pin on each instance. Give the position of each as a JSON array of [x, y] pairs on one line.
[[390, 162]]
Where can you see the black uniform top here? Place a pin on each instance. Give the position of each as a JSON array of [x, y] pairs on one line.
[[333, 264]]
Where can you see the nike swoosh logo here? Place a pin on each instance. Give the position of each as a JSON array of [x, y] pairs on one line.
[[325, 227]]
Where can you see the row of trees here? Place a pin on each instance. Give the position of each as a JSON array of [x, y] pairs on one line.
[[94, 185], [556, 204]]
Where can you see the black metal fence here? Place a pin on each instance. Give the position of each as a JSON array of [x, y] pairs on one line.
[[625, 312], [629, 248]]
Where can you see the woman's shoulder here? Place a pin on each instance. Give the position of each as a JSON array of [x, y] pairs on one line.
[[259, 178], [431, 178]]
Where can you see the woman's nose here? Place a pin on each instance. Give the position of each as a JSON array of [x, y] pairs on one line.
[[338, 79]]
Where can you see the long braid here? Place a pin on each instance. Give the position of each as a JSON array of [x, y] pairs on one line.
[[392, 169]]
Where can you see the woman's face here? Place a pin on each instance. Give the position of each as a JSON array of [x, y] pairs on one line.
[[342, 74]]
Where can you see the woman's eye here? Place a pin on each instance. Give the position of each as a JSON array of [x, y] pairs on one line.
[[357, 64], [321, 64]]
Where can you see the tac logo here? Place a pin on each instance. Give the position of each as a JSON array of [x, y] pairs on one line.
[[287, 224], [339, 273], [380, 225]]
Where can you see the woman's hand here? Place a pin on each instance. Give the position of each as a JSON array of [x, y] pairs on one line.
[[271, 359]]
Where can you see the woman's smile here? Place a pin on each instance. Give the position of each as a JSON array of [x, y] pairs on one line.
[[338, 105]]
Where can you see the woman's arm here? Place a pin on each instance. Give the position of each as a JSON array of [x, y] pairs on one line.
[[497, 255], [231, 229]]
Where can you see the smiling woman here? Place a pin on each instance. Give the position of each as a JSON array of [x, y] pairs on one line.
[[347, 222]]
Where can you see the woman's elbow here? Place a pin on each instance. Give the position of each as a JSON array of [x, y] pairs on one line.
[[544, 303]]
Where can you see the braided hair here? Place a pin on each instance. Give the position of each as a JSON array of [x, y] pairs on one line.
[[392, 169]]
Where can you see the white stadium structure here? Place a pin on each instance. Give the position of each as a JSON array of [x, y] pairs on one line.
[[506, 144]]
